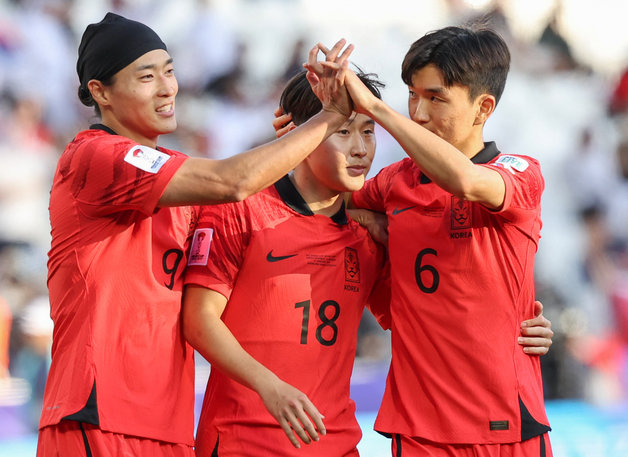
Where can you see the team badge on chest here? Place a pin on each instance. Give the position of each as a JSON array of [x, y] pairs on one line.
[[352, 265], [460, 214]]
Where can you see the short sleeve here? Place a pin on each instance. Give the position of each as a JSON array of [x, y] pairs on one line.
[[524, 184], [217, 248], [113, 174]]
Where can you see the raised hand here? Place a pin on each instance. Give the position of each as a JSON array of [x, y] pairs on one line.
[[362, 99], [327, 81], [294, 411]]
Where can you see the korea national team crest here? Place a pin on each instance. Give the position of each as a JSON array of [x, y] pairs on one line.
[[352, 265], [460, 214]]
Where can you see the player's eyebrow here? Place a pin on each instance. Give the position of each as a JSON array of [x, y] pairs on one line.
[[436, 90]]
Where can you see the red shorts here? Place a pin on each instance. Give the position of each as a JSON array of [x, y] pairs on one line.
[[74, 439], [405, 446]]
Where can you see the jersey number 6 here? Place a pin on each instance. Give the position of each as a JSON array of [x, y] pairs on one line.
[[422, 271]]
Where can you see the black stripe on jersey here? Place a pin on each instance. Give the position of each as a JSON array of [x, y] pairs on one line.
[[88, 451], [529, 426], [396, 445], [215, 451], [542, 437], [89, 412], [102, 127], [291, 197]]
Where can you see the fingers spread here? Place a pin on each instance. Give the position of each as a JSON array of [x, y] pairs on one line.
[[335, 50], [324, 49], [345, 54]]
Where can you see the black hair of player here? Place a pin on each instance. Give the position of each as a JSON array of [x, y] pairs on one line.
[[473, 56], [298, 98]]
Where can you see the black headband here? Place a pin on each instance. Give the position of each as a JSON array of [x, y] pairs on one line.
[[111, 44]]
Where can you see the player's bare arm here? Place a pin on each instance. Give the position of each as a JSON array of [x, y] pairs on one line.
[[446, 165], [208, 334], [206, 181]]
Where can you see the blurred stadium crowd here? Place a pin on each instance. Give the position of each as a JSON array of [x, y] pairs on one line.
[[556, 107]]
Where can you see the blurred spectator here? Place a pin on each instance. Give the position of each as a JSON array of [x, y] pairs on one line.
[[552, 39], [204, 49], [26, 146], [5, 334], [32, 361], [618, 103], [42, 59]]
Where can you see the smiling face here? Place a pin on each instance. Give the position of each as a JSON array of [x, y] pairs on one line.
[[446, 111], [140, 102], [341, 162]]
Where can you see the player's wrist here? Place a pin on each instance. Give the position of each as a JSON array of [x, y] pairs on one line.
[[332, 118], [376, 109]]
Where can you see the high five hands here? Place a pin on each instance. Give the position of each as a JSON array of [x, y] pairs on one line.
[[327, 77], [334, 71]]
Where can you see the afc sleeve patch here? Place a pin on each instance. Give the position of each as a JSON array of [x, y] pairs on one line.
[[145, 158], [199, 251], [512, 163]]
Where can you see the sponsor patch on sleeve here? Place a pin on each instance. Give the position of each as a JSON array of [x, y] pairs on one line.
[[145, 158], [199, 251], [512, 163]]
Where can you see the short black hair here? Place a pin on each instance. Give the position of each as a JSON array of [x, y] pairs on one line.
[[473, 56], [298, 98]]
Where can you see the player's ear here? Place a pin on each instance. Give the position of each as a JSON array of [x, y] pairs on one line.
[[485, 107], [99, 92]]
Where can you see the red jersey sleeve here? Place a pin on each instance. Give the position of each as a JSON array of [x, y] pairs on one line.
[[524, 186], [111, 173], [217, 249]]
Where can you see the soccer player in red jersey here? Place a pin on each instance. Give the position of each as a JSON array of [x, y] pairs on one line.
[[464, 225], [278, 282], [121, 209], [275, 289]]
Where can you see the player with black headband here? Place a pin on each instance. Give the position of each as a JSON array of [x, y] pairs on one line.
[[122, 376]]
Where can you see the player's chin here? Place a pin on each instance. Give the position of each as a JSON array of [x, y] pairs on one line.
[[354, 183], [167, 126]]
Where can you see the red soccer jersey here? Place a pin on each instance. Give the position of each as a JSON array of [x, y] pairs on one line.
[[297, 284], [115, 282], [463, 280]]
